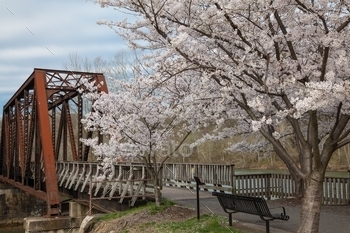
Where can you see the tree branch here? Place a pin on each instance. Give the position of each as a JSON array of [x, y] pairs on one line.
[[282, 153], [284, 31], [324, 63]]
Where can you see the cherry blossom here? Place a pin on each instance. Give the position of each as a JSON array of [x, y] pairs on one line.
[[260, 63]]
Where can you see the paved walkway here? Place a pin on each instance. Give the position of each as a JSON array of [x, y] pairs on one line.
[[331, 221]]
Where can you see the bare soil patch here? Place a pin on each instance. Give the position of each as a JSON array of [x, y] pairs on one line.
[[134, 222]]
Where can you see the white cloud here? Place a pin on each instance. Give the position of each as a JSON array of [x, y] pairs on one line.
[[41, 34]]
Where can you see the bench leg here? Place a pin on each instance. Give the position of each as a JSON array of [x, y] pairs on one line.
[[267, 226], [230, 219]]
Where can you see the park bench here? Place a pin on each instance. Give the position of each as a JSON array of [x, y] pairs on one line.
[[250, 205]]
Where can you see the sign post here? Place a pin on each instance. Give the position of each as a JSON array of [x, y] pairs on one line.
[[198, 182]]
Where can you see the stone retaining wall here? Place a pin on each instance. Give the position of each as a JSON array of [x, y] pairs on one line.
[[15, 205]]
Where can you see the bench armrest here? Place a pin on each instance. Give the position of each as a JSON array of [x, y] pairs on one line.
[[283, 215]]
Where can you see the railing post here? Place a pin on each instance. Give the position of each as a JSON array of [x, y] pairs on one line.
[[90, 196], [233, 178], [144, 191], [268, 187], [349, 188]]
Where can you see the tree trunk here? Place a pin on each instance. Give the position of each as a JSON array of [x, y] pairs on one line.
[[299, 186], [157, 191], [311, 204]]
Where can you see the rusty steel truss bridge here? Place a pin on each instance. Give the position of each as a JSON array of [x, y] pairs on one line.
[[41, 125]]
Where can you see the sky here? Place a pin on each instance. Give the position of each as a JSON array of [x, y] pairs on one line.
[[42, 34]]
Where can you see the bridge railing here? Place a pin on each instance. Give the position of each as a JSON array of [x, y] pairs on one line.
[[265, 185], [121, 181], [222, 177], [216, 174], [336, 191], [217, 177]]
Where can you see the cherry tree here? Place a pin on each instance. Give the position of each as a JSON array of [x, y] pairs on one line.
[[140, 120], [262, 63]]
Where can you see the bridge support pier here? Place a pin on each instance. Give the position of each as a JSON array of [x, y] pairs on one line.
[[16, 204], [60, 224]]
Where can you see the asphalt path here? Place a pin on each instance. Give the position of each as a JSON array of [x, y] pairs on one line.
[[333, 220]]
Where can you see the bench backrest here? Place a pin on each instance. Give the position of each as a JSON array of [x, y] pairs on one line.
[[245, 204]]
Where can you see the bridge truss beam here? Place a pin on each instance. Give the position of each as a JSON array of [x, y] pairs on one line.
[[41, 125]]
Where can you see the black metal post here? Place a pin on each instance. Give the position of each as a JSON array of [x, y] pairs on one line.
[[267, 226], [198, 182]]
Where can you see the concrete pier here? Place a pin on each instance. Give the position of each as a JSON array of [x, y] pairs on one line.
[[59, 224], [16, 204]]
